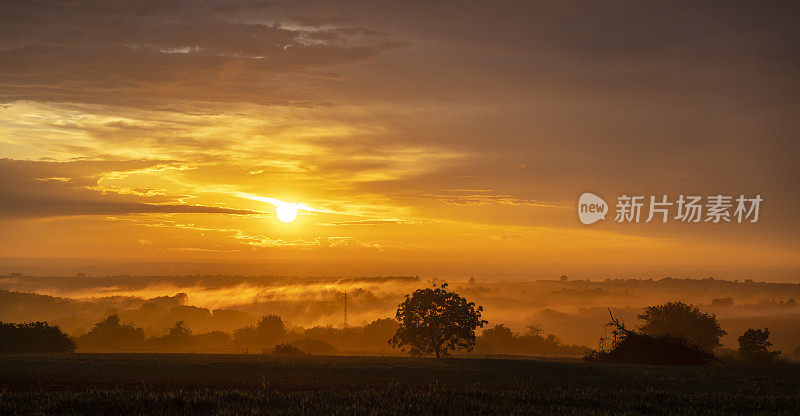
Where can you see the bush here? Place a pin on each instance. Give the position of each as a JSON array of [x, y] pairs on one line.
[[500, 339], [286, 349], [314, 346], [631, 347]]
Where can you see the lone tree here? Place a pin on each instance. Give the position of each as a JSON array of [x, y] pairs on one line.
[[679, 320], [435, 321], [754, 346]]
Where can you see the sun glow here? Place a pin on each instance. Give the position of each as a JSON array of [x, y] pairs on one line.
[[286, 212]]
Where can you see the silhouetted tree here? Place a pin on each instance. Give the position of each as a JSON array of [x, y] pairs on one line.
[[436, 321], [34, 337], [179, 330], [269, 331], [754, 346], [534, 330], [111, 335], [179, 338], [679, 320]]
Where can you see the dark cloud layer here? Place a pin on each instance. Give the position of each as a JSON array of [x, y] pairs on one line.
[[35, 190], [144, 52], [289, 51]]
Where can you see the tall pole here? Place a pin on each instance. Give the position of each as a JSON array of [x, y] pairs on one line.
[[345, 309]]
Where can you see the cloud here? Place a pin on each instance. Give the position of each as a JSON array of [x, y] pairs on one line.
[[37, 189], [144, 54]]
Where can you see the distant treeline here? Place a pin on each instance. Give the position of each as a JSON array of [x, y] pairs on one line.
[[113, 335]]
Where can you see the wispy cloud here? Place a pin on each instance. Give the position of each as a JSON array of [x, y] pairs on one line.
[[369, 222], [479, 197]]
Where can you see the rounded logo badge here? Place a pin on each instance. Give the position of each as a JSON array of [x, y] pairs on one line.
[[591, 208]]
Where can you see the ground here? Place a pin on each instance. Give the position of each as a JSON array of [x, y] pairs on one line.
[[251, 384]]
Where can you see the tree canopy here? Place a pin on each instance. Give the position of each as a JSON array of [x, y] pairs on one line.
[[34, 337], [754, 346], [112, 335], [269, 332], [679, 320], [436, 321]]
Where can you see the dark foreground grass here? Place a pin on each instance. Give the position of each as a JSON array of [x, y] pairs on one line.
[[233, 384]]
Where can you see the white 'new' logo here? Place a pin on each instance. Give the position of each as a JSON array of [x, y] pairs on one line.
[[591, 208]]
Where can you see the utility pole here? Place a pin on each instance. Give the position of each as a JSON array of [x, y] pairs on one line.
[[345, 309]]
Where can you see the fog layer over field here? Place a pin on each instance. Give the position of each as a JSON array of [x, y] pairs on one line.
[[575, 311]]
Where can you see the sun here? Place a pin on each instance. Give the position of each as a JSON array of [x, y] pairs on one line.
[[286, 212]]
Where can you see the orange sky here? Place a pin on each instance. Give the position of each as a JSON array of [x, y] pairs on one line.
[[430, 138]]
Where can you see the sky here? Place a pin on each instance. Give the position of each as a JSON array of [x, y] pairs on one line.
[[437, 138]]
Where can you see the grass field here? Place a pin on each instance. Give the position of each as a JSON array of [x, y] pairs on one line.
[[250, 384]]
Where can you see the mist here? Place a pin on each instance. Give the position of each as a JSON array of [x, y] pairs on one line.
[[574, 311]]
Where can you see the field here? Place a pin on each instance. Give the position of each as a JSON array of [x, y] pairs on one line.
[[250, 384]]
